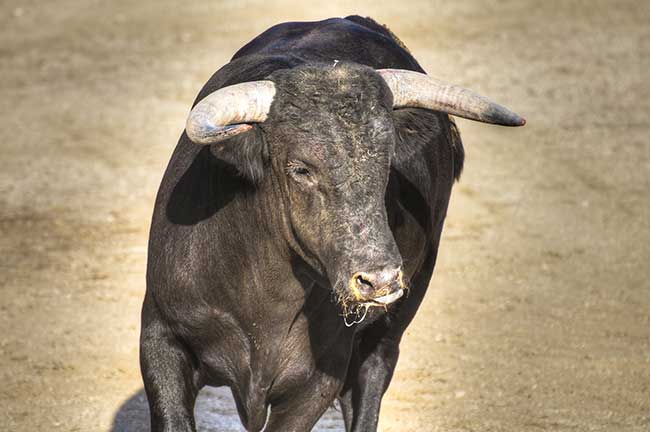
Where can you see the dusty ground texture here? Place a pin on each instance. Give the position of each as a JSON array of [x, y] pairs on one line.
[[538, 314]]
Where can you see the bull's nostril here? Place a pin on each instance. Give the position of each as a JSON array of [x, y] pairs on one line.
[[363, 284]]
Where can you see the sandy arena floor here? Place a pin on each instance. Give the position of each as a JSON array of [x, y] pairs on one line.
[[538, 315]]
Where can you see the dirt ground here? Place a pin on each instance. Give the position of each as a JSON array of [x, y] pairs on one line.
[[538, 314]]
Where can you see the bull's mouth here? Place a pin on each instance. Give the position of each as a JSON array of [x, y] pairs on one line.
[[387, 299], [361, 310]]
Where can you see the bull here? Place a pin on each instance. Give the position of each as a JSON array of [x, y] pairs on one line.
[[297, 225]]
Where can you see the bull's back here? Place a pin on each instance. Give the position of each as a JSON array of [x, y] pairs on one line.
[[353, 39]]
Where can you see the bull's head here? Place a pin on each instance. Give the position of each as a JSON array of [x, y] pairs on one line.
[[330, 137]]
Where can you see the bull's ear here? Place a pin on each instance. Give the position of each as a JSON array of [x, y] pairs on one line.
[[246, 152]]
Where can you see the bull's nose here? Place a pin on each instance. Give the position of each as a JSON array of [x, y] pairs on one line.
[[381, 284]]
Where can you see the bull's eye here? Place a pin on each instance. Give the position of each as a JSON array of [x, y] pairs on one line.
[[302, 171], [299, 172]]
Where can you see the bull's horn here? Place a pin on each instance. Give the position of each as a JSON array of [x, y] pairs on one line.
[[413, 89], [227, 111]]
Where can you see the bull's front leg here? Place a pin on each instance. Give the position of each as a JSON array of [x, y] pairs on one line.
[[370, 372], [299, 411], [170, 379]]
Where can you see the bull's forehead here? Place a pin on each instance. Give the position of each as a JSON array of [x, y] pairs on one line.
[[334, 114], [339, 144]]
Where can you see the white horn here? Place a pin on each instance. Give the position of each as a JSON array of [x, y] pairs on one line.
[[227, 111], [414, 89]]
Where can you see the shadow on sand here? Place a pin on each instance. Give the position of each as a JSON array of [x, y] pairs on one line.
[[214, 411]]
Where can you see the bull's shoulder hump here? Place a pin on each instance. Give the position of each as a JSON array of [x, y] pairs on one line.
[[353, 36], [284, 32]]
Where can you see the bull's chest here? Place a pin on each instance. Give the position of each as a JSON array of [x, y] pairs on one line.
[[271, 357]]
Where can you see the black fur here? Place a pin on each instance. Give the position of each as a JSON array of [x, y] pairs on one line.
[[254, 239]]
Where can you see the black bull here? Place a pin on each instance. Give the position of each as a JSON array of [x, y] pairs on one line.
[[269, 249]]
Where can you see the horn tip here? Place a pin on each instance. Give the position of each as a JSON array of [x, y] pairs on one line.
[[513, 122], [504, 117]]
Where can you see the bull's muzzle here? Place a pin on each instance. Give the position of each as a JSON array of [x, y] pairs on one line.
[[379, 288]]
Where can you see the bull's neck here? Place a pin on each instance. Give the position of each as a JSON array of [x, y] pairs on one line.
[[271, 219]]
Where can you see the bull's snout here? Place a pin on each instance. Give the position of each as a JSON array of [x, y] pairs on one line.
[[381, 287]]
